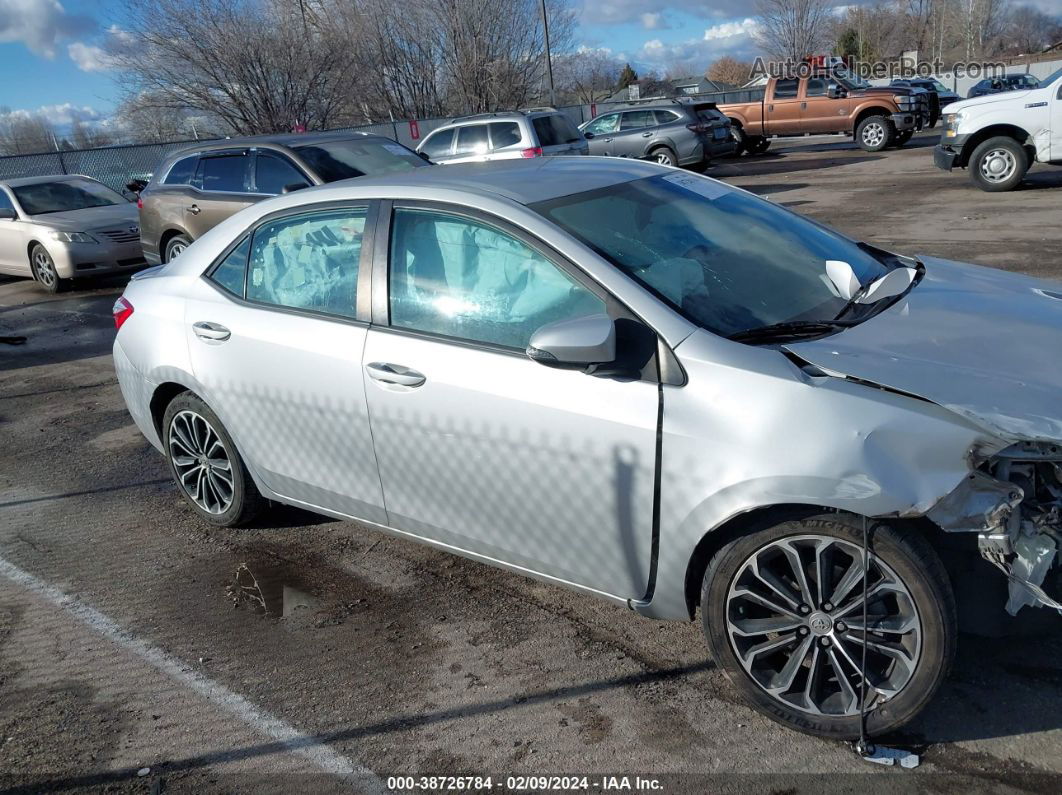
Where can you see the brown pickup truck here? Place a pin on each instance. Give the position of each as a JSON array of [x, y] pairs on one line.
[[828, 103]]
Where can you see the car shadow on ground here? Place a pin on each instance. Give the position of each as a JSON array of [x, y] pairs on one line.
[[57, 330], [784, 163]]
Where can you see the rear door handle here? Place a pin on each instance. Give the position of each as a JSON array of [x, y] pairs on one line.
[[647, 135], [211, 332], [394, 374], [194, 209]]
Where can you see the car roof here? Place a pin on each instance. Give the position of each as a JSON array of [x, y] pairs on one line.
[[20, 181], [290, 140], [523, 181]]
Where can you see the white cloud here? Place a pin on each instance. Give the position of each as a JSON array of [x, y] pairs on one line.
[[653, 21], [727, 30], [39, 24], [89, 57], [59, 115]]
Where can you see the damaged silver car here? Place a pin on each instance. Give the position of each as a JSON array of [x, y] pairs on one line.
[[635, 382]]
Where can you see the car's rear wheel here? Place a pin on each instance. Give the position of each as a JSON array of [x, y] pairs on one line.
[[998, 164], [175, 246], [664, 156], [43, 268], [759, 144], [782, 609], [204, 462]]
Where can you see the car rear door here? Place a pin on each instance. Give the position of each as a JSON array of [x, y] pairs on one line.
[[782, 108], [221, 188], [819, 113], [472, 144], [481, 449], [275, 333]]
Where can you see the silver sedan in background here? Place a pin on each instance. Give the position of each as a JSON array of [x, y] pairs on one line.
[[61, 227], [635, 382]]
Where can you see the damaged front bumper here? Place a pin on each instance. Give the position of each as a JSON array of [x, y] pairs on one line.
[[1014, 504]]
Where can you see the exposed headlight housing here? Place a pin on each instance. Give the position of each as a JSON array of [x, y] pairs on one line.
[[72, 237]]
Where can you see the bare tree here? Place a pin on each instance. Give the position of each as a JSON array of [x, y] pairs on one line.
[[88, 136], [24, 133], [984, 21], [588, 76], [793, 29], [258, 65], [730, 70], [1029, 30]]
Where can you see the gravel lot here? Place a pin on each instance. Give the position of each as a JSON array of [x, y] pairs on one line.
[[132, 635]]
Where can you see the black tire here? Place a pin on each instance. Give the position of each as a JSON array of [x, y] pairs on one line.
[[874, 133], [760, 145], [1001, 153], [908, 557], [174, 246], [903, 137], [664, 155], [742, 140], [245, 501], [42, 266]]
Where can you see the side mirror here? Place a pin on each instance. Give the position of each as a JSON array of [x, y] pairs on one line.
[[294, 186], [424, 156], [8, 214], [580, 343], [835, 91], [588, 135]]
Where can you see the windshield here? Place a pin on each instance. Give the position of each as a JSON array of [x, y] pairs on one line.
[[1051, 78], [940, 86], [76, 193], [335, 160], [724, 258]]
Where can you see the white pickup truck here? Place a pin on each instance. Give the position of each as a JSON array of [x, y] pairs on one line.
[[998, 136]]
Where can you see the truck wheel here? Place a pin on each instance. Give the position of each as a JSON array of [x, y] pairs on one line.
[[998, 164], [761, 145], [874, 133], [903, 137], [742, 140], [782, 609]]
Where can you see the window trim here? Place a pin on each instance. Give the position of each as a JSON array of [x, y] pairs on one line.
[[662, 368], [365, 262]]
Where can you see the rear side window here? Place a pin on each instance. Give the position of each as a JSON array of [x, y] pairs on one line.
[[273, 173], [785, 89], [504, 133], [666, 116], [309, 261], [227, 174], [555, 130], [637, 119], [438, 143], [472, 140], [229, 273], [182, 171]]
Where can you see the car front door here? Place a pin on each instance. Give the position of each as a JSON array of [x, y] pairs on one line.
[[276, 338], [480, 448], [783, 108], [222, 185], [13, 257], [600, 133]]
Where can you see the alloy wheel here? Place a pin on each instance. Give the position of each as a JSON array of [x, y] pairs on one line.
[[873, 134], [794, 617], [664, 158], [202, 464], [998, 165], [175, 250], [44, 268]]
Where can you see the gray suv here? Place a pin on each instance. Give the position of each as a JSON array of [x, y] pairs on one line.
[[671, 132], [535, 132], [197, 188]]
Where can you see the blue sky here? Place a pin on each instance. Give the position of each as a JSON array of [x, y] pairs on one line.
[[50, 60]]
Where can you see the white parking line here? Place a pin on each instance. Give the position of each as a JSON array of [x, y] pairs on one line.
[[258, 719]]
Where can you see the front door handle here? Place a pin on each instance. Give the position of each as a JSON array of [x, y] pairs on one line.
[[647, 135], [211, 332], [194, 209], [394, 374]]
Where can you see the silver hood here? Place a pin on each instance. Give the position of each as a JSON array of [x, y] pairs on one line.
[[90, 218], [981, 342]]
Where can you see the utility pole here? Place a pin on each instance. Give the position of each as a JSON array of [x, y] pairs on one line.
[[549, 59]]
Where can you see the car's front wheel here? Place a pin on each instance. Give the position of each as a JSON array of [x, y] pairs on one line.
[[782, 610], [43, 268], [205, 464]]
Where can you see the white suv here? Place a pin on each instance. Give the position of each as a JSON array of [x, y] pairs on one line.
[[535, 132]]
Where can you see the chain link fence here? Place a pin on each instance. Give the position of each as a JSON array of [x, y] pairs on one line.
[[114, 166]]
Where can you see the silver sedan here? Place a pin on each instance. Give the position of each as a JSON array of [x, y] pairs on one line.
[[61, 227], [635, 382]]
